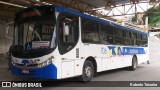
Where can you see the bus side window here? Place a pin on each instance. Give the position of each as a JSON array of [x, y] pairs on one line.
[[145, 43], [139, 39], [134, 38], [68, 32], [119, 39], [90, 33], [106, 34], [127, 38]]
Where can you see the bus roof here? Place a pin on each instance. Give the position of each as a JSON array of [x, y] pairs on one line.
[[114, 24], [63, 9]]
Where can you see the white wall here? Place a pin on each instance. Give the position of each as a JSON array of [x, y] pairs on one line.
[[153, 33], [5, 42]]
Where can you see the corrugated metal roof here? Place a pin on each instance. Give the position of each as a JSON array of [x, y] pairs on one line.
[[102, 3], [59, 8]]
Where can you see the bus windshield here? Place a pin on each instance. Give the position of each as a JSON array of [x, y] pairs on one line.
[[35, 35]]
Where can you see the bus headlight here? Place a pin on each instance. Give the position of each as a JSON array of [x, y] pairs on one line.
[[13, 63], [47, 62]]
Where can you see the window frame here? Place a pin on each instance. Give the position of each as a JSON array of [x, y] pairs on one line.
[[107, 33], [58, 32], [97, 30]]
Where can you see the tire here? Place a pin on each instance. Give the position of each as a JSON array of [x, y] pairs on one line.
[[88, 72], [134, 64]]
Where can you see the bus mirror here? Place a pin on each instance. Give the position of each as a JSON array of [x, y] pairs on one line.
[[66, 30]]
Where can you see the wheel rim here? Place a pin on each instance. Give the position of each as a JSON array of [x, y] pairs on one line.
[[88, 71], [135, 64]]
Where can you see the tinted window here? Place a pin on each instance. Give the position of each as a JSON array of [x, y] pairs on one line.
[[106, 34], [119, 36], [90, 32], [144, 41], [118, 32], [68, 32]]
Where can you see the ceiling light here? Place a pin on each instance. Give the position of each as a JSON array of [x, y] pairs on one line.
[[44, 2], [37, 0]]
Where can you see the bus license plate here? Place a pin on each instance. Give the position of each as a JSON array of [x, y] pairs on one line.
[[25, 71]]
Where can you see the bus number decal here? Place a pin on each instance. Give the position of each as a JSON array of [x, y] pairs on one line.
[[114, 50], [103, 50]]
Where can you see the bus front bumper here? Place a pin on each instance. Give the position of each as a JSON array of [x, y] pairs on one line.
[[48, 72]]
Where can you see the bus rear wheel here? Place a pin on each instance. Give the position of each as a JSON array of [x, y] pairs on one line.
[[134, 64], [88, 71]]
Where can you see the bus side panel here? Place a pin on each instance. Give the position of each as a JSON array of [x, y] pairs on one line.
[[143, 57], [80, 62], [57, 63], [72, 63], [94, 51], [127, 60]]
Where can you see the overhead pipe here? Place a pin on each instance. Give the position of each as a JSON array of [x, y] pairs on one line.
[[11, 4]]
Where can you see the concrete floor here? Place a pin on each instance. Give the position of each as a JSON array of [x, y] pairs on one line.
[[145, 72]]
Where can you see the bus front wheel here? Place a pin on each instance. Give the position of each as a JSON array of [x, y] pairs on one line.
[[88, 71]]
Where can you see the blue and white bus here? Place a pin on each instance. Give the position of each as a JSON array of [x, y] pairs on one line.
[[55, 42]]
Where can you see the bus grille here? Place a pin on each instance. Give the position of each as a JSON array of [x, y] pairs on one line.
[[26, 65]]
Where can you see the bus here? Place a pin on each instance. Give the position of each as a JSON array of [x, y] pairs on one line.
[[54, 42]]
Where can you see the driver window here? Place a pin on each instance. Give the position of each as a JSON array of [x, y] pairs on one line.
[[68, 32]]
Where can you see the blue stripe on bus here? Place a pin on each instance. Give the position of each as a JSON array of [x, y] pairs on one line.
[[133, 50], [116, 50], [48, 72], [25, 61]]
